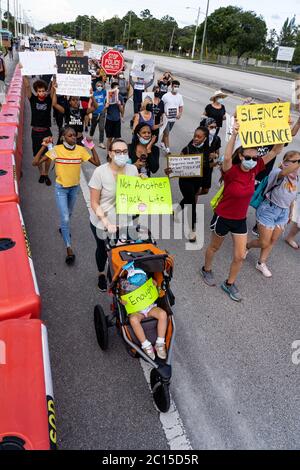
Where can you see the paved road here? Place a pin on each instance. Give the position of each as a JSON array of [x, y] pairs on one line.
[[234, 383], [246, 84]]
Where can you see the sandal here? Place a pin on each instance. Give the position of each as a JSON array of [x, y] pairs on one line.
[[292, 244]]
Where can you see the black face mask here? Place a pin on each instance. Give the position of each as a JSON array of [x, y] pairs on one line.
[[156, 94], [149, 107]]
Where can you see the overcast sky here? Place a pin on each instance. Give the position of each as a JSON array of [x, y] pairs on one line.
[[45, 12]]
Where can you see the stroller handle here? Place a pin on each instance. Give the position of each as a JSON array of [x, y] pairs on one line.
[[122, 236]]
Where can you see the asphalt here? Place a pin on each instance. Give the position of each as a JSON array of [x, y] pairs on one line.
[[234, 382]]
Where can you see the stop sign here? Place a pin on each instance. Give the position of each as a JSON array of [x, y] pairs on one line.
[[112, 62]]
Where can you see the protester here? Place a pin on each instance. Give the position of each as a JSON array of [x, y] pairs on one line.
[[173, 103], [139, 87], [115, 113], [158, 111], [73, 114], [103, 201], [146, 115], [276, 210], [164, 83], [239, 171], [124, 86], [41, 105], [295, 227], [192, 188], [68, 158], [136, 278], [99, 115], [216, 109], [143, 152]]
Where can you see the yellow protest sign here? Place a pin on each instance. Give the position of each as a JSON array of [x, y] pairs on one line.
[[140, 298], [137, 195], [264, 124]]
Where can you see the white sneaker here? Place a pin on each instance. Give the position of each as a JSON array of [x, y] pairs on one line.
[[263, 268], [102, 146], [192, 237]]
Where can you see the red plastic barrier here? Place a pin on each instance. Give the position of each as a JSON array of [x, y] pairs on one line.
[[14, 101], [19, 292], [10, 116], [27, 414], [9, 191], [10, 143]]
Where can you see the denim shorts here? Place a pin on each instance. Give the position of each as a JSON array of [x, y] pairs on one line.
[[269, 215]]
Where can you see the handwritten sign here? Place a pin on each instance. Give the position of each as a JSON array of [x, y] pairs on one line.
[[140, 298], [38, 63], [264, 124], [143, 196], [142, 68], [73, 85], [186, 166]]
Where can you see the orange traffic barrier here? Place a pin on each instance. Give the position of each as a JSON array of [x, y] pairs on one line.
[[10, 143], [27, 413], [10, 116], [19, 292], [9, 191]]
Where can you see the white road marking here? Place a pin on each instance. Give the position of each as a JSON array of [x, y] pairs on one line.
[[171, 421], [189, 98]]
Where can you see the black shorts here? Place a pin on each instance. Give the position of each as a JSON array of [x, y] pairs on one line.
[[222, 227], [113, 129], [37, 139], [136, 107]]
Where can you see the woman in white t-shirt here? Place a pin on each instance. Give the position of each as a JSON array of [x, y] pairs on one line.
[[103, 186]]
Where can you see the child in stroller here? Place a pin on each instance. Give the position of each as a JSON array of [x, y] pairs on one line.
[[137, 278]]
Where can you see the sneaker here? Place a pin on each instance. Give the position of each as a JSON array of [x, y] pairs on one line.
[[102, 146], [208, 277], [161, 351], [48, 181], [150, 352], [167, 150], [42, 179], [263, 268], [102, 283], [162, 146], [192, 237], [232, 291], [255, 231]]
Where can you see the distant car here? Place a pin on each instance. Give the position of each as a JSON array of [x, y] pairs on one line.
[[296, 68], [119, 48]]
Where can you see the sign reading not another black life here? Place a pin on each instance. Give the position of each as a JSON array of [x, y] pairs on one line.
[[73, 65]]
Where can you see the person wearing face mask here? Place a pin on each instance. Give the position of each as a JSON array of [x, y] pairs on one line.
[[164, 83], [158, 111], [115, 112], [192, 188], [99, 115], [139, 86], [142, 151], [67, 158], [239, 171], [145, 116], [124, 87], [173, 103], [41, 106], [216, 109], [103, 187], [276, 210]]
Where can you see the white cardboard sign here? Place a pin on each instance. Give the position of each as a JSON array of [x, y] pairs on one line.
[[38, 63], [73, 85], [185, 166]]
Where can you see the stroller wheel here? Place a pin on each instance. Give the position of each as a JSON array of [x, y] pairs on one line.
[[161, 392], [101, 327]]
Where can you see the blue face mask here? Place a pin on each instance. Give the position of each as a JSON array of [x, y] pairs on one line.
[[144, 141], [249, 164]]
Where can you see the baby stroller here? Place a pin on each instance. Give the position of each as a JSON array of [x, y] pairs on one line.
[[159, 265]]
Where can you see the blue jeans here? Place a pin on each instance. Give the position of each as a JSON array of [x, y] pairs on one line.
[[65, 201]]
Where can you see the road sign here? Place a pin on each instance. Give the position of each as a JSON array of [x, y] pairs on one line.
[[285, 53], [139, 41], [113, 62]]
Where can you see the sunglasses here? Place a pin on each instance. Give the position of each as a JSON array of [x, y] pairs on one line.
[[247, 158], [293, 161]]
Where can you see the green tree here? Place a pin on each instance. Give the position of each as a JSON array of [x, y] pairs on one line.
[[288, 33]]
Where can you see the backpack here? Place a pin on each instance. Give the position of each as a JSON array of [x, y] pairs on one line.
[[260, 193]]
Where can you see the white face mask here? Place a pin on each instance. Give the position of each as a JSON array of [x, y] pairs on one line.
[[175, 90], [220, 100], [99, 88], [68, 146], [121, 160], [213, 132]]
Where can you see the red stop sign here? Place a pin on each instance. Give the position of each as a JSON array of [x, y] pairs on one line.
[[112, 62]]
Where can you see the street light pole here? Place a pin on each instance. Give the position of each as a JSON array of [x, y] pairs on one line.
[[195, 37], [129, 28], [204, 33]]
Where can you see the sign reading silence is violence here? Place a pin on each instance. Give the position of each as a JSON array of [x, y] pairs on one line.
[[264, 124], [73, 77], [138, 196]]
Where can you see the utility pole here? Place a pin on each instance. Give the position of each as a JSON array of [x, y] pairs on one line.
[[8, 15], [0, 23], [171, 42], [15, 19], [129, 28], [195, 37], [90, 36], [204, 34]]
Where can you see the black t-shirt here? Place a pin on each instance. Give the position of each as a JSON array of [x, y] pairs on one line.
[[40, 112], [75, 118], [152, 164], [215, 144], [262, 152], [158, 111], [216, 114], [163, 87]]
